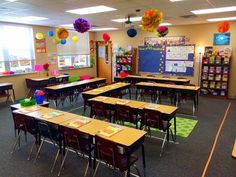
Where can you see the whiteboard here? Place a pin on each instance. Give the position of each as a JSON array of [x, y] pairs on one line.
[[71, 47]]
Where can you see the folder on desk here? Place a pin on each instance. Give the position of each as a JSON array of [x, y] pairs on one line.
[[110, 130], [52, 114], [78, 122], [122, 102], [29, 109], [152, 106]]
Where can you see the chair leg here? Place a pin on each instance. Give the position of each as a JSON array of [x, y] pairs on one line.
[[62, 163], [96, 169], [163, 144], [138, 172], [16, 142], [41, 144], [86, 170], [55, 160], [31, 150]]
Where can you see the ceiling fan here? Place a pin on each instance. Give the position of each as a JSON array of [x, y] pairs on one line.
[[128, 23]]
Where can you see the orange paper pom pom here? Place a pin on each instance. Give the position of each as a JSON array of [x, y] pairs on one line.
[[223, 27], [62, 33]]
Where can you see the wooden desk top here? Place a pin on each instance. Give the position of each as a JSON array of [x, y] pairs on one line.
[[78, 83], [46, 78], [5, 84], [234, 150], [158, 78], [165, 109], [181, 87], [18, 106], [107, 88]]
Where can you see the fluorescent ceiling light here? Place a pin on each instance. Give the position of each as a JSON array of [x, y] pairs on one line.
[[165, 24], [132, 19], [176, 0], [215, 10], [32, 18], [221, 19], [91, 10], [68, 25], [11, 0], [103, 29]]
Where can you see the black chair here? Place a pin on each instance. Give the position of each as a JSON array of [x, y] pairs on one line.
[[153, 119], [52, 81], [77, 141], [26, 125], [151, 93], [98, 110], [167, 94], [112, 154], [50, 132]]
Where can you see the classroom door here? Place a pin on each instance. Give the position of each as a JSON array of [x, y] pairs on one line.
[[104, 60]]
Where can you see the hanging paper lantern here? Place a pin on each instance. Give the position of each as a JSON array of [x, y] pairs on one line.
[[223, 27], [151, 20], [132, 32], [50, 33], [162, 31], [106, 37], [39, 36], [81, 25], [56, 41], [62, 33], [75, 38], [63, 41], [123, 74]]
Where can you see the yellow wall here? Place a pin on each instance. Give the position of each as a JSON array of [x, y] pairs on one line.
[[18, 81], [200, 35]]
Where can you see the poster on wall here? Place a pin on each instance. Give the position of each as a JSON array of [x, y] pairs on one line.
[[52, 58], [171, 40], [24, 62], [221, 39], [40, 45]]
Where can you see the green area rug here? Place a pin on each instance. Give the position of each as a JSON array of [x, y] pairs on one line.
[[184, 126]]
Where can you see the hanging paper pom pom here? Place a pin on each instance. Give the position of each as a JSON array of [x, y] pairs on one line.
[[162, 31], [63, 41], [75, 38], [81, 25], [151, 20], [50, 33], [123, 74], [39, 36], [106, 37], [62, 33], [132, 32], [223, 27]]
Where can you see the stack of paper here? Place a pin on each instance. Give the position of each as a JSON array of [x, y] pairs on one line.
[[52, 114], [110, 130], [79, 122]]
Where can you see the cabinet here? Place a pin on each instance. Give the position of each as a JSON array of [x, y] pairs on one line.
[[215, 75], [126, 62]]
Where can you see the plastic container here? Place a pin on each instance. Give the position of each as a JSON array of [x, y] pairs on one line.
[[27, 103], [39, 99]]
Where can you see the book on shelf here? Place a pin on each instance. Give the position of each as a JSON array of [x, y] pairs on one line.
[[205, 69], [226, 69], [204, 76], [205, 60], [211, 77], [218, 59], [218, 77], [205, 84], [226, 60], [218, 69], [212, 69], [224, 85], [225, 77], [212, 60], [212, 84], [218, 85], [223, 93]]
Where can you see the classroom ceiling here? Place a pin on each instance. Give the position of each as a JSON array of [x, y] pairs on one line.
[[177, 13]]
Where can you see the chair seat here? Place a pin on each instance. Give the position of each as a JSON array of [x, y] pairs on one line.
[[123, 161]]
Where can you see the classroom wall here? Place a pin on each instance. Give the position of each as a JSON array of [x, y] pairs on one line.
[[201, 35], [41, 58]]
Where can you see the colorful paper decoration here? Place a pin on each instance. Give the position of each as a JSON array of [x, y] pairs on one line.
[[38, 67], [50, 33], [81, 25], [39, 36], [55, 72], [63, 41], [62, 33], [75, 38], [132, 32], [106, 37], [123, 74], [223, 27], [162, 31], [151, 20]]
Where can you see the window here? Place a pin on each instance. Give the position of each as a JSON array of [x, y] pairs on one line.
[[74, 54], [16, 48]]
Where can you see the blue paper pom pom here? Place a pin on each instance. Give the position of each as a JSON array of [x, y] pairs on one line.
[[132, 32]]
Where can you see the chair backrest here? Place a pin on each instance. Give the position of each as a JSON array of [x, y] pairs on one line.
[[98, 109], [124, 113], [29, 83], [152, 118], [76, 140], [85, 77], [52, 81]]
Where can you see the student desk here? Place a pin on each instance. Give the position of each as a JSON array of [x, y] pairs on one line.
[[58, 90], [106, 90], [18, 106], [39, 79], [134, 79], [5, 91], [122, 137], [168, 112], [234, 150]]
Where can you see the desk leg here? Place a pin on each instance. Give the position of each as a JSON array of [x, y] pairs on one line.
[[136, 95], [84, 106], [175, 126], [14, 96], [129, 93], [128, 165], [143, 156]]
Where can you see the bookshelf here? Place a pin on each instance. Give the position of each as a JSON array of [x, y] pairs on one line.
[[126, 62], [215, 75]]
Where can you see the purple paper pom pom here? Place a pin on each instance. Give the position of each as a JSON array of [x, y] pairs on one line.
[[81, 25]]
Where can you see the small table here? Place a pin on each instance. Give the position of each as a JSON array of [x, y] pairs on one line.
[[5, 88]]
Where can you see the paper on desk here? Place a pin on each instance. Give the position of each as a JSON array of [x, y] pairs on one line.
[[52, 114], [29, 109], [152, 106], [79, 122], [110, 130], [122, 102]]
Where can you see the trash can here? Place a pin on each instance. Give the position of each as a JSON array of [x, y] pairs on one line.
[[39, 99]]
